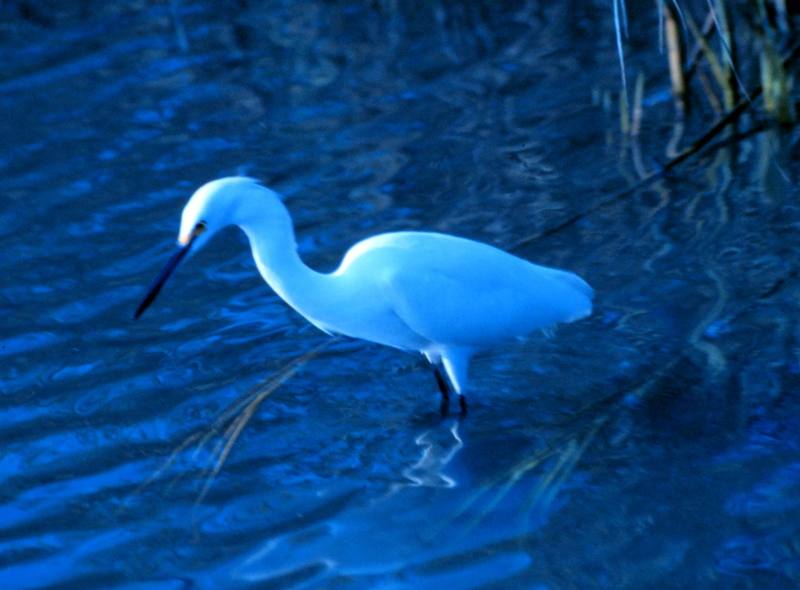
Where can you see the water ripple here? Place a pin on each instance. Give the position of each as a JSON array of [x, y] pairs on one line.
[[652, 445]]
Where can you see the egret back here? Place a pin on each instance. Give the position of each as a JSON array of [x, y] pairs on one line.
[[458, 292]]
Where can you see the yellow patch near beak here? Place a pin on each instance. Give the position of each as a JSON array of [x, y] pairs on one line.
[[196, 231]]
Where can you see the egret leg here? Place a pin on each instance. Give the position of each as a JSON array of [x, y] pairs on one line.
[[456, 365], [444, 389]]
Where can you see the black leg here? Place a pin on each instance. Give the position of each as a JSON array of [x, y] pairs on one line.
[[444, 389], [462, 404]]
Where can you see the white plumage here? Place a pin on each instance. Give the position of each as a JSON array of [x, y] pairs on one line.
[[438, 294]]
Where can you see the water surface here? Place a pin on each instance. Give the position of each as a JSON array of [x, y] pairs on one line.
[[652, 445]]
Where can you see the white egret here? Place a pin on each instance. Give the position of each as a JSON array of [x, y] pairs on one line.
[[444, 296]]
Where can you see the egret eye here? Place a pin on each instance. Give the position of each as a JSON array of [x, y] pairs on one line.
[[199, 229]]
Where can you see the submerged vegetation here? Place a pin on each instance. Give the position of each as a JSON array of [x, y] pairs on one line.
[[721, 55]]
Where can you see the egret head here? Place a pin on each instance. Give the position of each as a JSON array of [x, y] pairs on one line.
[[213, 206]]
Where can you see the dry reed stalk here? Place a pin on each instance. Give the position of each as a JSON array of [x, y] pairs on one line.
[[231, 423], [714, 64], [724, 23], [697, 50], [638, 111], [676, 56], [234, 430]]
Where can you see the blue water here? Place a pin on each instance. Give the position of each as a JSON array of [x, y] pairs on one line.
[[653, 445]]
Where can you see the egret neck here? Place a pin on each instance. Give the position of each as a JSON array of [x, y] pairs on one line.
[[274, 248]]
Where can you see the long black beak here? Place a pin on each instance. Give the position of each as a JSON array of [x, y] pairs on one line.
[[165, 273], [162, 277]]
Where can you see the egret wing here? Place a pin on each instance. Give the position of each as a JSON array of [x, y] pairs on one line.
[[463, 293]]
